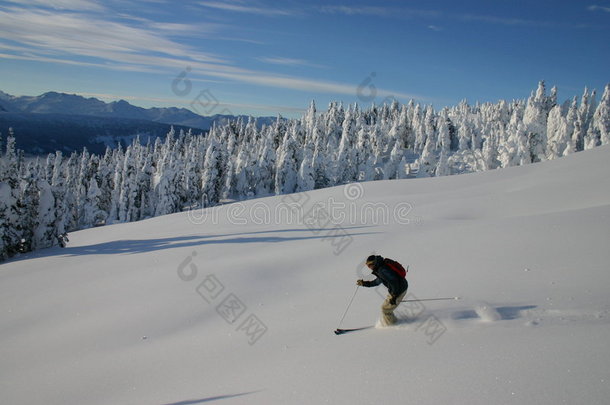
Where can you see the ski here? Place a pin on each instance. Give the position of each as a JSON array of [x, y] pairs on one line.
[[343, 331]]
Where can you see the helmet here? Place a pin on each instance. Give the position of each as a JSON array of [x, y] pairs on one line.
[[373, 259]]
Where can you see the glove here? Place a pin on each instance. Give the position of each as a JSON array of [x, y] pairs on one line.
[[360, 282], [392, 301]]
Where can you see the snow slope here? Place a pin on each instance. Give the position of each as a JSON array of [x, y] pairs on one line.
[[228, 305]]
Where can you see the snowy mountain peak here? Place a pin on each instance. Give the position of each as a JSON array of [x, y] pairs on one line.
[[69, 104], [5, 96]]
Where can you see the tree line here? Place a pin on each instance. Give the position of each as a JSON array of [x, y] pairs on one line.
[[43, 199]]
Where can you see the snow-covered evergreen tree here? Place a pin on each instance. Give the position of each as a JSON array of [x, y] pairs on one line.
[[584, 115], [287, 161], [44, 234], [394, 168], [442, 167], [599, 130], [490, 152], [320, 161], [419, 129], [345, 165], [129, 210], [535, 120], [428, 159], [11, 209], [264, 170], [245, 172], [92, 213], [28, 205], [557, 134], [398, 139], [333, 128], [105, 178], [117, 172], [6, 222], [144, 176], [306, 176], [213, 177], [601, 118], [465, 127]]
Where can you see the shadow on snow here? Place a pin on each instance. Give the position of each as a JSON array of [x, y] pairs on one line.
[[134, 246], [210, 399]]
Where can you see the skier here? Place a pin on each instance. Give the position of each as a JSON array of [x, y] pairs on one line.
[[396, 284]]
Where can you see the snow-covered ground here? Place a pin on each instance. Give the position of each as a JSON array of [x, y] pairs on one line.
[[237, 304]]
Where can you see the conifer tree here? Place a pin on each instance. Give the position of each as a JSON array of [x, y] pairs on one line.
[[264, 175], [345, 165], [535, 120], [44, 234], [601, 118], [320, 160], [213, 173], [306, 177], [58, 188], [428, 159], [286, 171], [557, 134]]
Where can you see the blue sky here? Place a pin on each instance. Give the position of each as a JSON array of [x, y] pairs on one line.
[[262, 57]]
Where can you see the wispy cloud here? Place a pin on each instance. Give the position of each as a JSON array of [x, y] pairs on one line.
[[235, 7], [75, 5], [92, 40], [83, 35], [433, 16], [191, 30], [63, 61], [490, 19], [279, 60], [356, 10], [400, 12], [303, 84], [598, 8]]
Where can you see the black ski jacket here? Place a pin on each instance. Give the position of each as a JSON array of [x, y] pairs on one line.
[[395, 284]]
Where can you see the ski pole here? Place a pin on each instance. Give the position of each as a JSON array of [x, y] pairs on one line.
[[349, 305], [432, 299]]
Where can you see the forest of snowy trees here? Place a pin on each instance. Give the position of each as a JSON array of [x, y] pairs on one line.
[[42, 199]]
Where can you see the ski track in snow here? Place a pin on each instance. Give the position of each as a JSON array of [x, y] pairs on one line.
[[508, 315], [495, 315]]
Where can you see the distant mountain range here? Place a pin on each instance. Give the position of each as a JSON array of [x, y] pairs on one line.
[[69, 122]]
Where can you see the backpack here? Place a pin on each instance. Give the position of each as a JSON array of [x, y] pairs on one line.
[[396, 267]]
